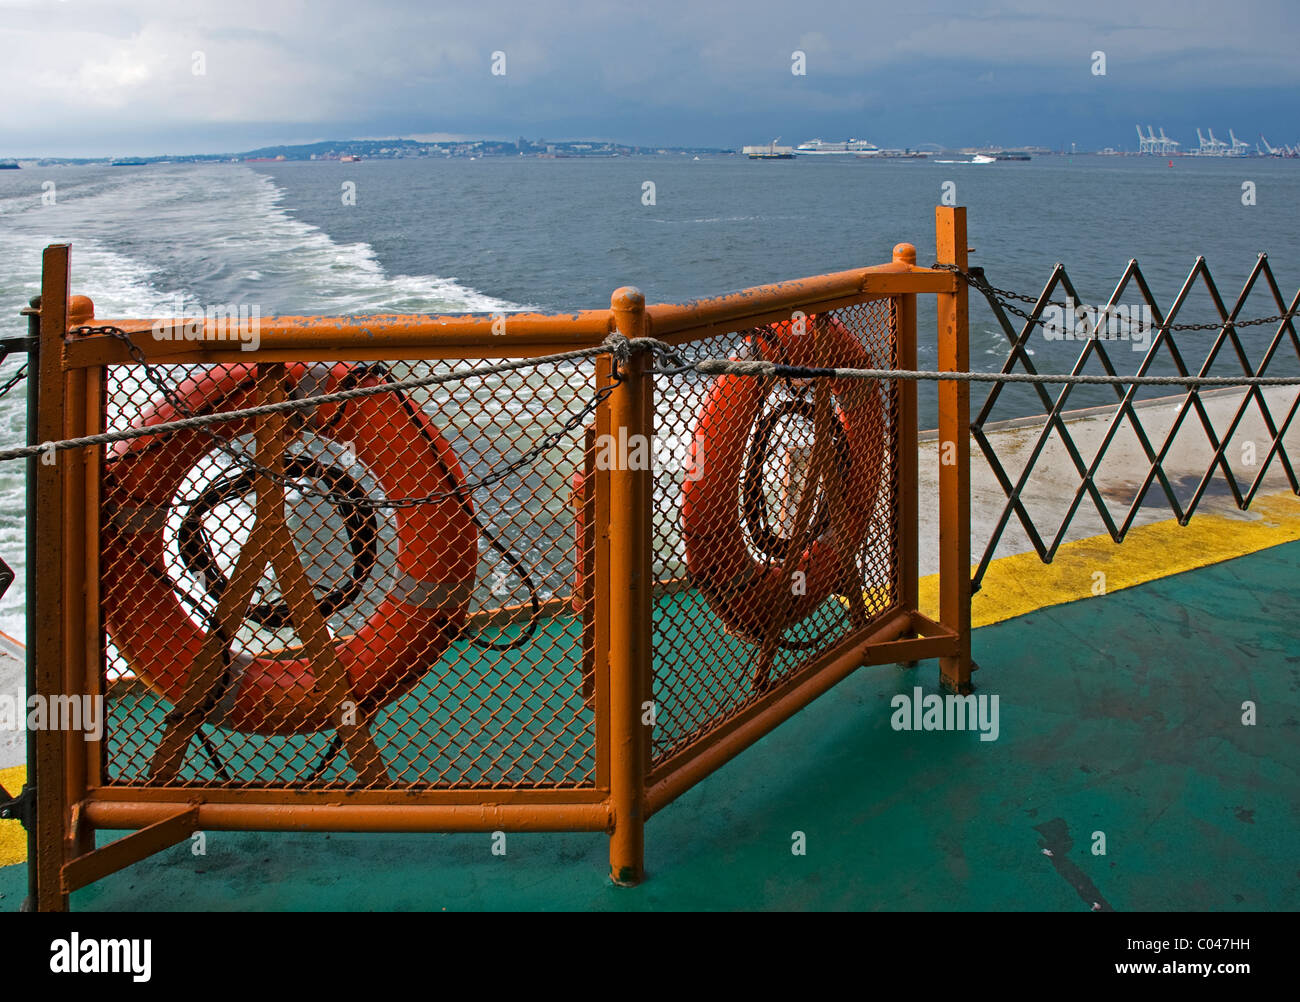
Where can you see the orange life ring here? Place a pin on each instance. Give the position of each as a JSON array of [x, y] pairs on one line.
[[746, 583], [278, 693]]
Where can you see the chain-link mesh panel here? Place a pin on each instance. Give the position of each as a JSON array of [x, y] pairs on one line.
[[368, 602], [774, 525]]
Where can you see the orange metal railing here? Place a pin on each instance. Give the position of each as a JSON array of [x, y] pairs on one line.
[[280, 645]]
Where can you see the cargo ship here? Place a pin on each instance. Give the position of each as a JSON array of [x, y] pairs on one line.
[[769, 152]]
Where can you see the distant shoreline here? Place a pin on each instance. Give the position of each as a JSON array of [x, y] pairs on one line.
[[664, 153]]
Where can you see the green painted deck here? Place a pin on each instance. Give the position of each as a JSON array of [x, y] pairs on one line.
[[1120, 714]]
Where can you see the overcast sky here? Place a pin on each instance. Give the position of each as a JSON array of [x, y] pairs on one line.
[[82, 77]]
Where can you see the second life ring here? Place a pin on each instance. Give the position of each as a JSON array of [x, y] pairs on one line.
[[742, 565], [278, 692]]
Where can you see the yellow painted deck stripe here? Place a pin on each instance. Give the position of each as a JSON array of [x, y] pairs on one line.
[[1019, 584], [13, 837]]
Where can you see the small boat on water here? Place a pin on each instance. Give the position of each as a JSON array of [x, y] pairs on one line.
[[978, 158]]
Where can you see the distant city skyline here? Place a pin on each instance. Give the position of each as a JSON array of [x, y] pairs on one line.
[[149, 77], [390, 147]]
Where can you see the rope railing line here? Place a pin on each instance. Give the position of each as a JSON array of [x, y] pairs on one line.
[[717, 367], [616, 344], [620, 346]]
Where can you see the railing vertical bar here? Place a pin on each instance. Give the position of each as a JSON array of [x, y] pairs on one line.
[[76, 545], [907, 555], [94, 655], [954, 452], [631, 496], [52, 809], [597, 486]]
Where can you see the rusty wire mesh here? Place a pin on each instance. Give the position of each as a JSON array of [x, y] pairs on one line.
[[1139, 455], [451, 618], [752, 585]]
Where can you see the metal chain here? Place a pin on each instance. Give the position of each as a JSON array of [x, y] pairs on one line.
[[526, 459], [977, 281], [14, 380]]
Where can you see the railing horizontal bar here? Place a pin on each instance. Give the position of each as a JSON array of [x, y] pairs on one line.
[[915, 649], [283, 339], [320, 796], [880, 280], [361, 817], [927, 627], [295, 338], [738, 322], [79, 356]]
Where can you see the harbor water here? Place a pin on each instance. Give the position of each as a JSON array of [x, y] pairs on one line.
[[488, 235]]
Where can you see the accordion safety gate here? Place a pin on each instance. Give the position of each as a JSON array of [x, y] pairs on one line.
[[512, 572]]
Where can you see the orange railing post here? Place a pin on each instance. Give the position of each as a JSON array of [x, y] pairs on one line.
[[908, 508], [954, 451], [630, 499], [80, 579], [53, 810]]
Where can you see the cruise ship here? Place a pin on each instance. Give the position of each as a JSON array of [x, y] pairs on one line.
[[854, 147]]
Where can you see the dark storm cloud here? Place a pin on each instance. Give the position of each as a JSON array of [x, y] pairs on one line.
[[83, 76]]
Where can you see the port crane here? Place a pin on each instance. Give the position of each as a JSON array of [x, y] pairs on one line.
[[1288, 152], [1157, 146], [1209, 147]]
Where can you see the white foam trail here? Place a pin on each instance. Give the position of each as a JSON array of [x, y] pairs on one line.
[[348, 278], [223, 235], [121, 286]]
